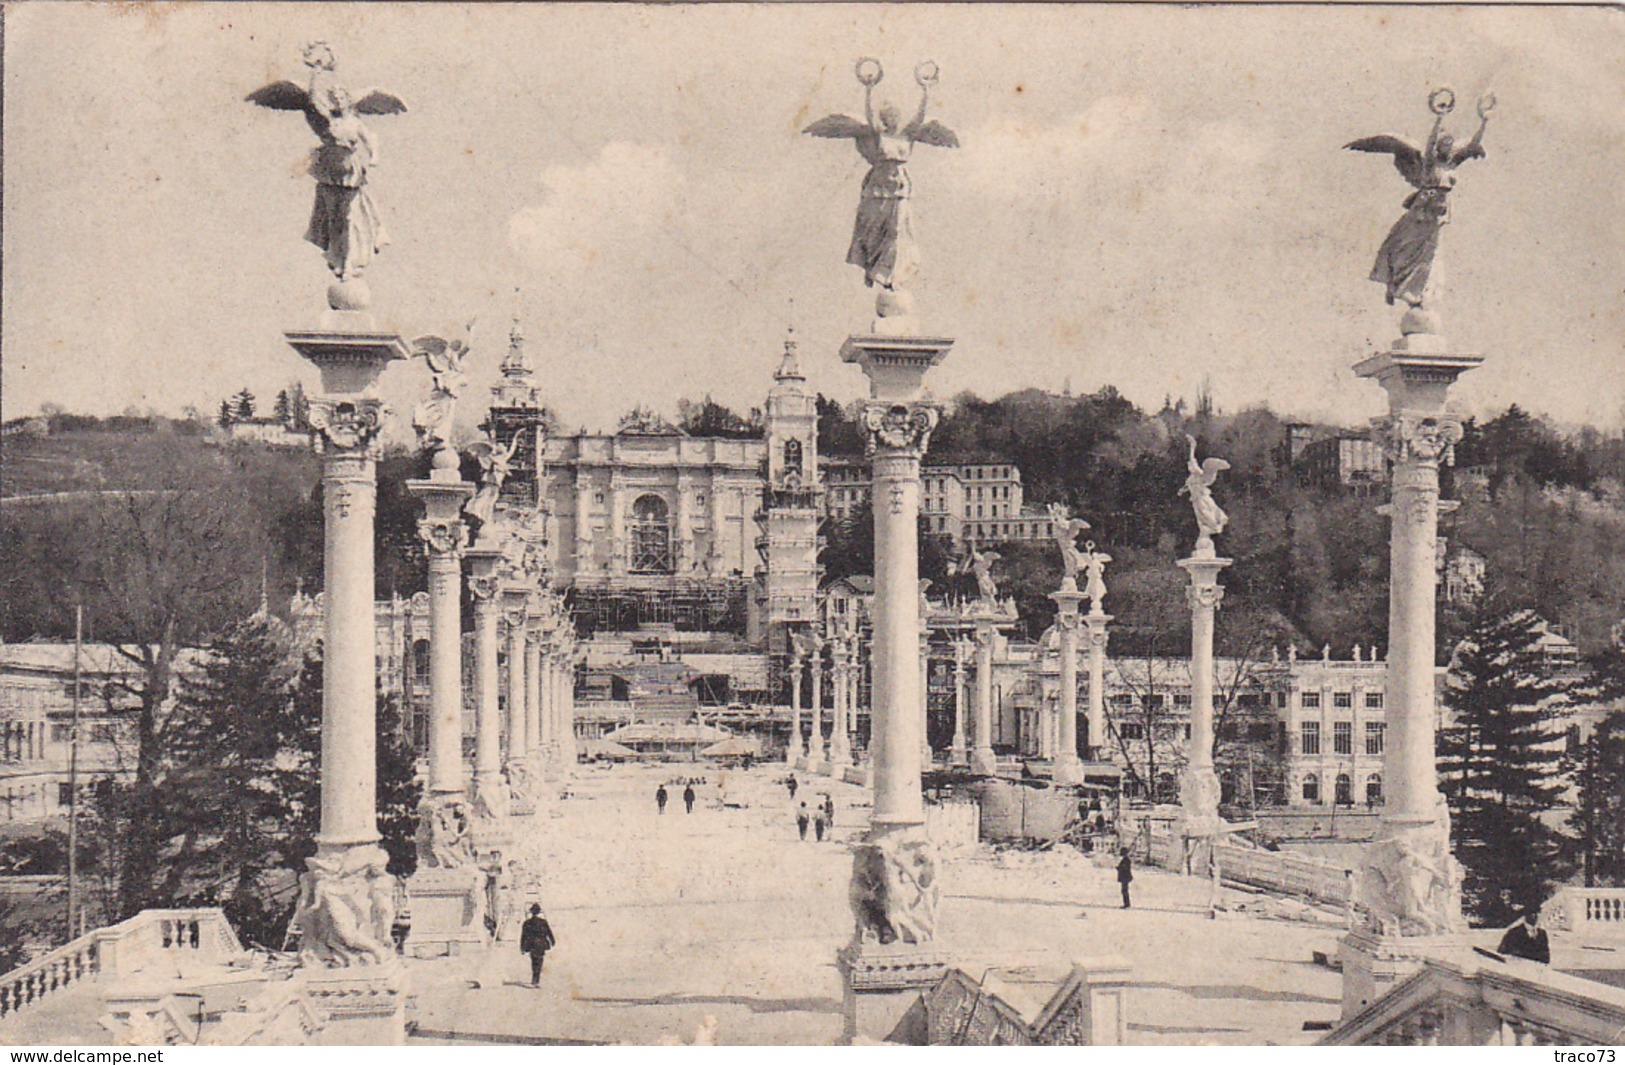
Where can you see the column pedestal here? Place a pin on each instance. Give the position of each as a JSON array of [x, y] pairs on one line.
[[893, 956], [1068, 768], [1409, 888]]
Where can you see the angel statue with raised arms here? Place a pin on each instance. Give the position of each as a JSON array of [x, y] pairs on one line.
[[1199, 486], [883, 237], [1066, 530], [344, 223], [1405, 260], [495, 465], [433, 416], [980, 564]]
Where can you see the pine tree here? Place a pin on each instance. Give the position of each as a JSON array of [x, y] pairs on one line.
[[399, 790], [1501, 766], [1599, 819], [282, 410], [226, 416], [242, 405]]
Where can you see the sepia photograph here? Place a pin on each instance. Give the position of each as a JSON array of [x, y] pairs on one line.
[[812, 524]]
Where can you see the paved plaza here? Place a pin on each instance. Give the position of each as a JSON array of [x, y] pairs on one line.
[[666, 920]]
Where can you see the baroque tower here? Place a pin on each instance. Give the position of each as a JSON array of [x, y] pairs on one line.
[[790, 503]]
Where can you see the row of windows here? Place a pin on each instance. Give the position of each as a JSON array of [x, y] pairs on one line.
[[1310, 700], [1343, 789], [1342, 737]]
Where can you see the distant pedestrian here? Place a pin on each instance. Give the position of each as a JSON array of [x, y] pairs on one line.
[[536, 939], [792, 786], [1125, 876], [660, 798], [803, 816], [688, 799], [820, 822], [1526, 939], [829, 810]]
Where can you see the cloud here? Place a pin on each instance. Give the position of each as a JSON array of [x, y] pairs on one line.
[[597, 213]]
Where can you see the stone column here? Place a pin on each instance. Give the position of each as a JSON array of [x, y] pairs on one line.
[[959, 754], [893, 953], [547, 719], [346, 879], [1198, 784], [927, 755], [795, 752], [618, 548], [490, 791], [518, 770], [982, 758], [566, 731], [445, 536], [1068, 768], [1413, 839], [583, 531], [840, 742], [1096, 620], [815, 742], [534, 639], [447, 891]]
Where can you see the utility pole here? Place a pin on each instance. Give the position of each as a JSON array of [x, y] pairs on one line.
[[73, 777]]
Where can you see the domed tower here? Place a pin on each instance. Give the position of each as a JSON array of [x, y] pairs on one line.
[[516, 410], [790, 500]]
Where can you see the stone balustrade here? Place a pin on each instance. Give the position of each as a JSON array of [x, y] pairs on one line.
[[126, 947], [1588, 912], [1289, 874]]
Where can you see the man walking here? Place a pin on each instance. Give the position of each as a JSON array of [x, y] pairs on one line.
[[802, 817], [1526, 939], [791, 784], [820, 822], [535, 939], [660, 798], [1125, 876], [688, 799]]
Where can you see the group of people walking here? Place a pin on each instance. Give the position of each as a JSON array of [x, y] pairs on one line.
[[662, 797], [821, 817]]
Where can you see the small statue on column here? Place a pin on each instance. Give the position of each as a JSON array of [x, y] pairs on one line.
[[1066, 530], [1210, 520]]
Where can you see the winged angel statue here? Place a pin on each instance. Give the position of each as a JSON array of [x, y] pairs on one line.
[[433, 417], [883, 237], [344, 223], [1405, 260], [1199, 486], [496, 462]]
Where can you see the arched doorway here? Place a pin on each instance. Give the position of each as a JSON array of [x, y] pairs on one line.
[[651, 536]]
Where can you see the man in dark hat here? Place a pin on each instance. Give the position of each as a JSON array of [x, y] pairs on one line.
[[1125, 876], [535, 939], [1526, 939]]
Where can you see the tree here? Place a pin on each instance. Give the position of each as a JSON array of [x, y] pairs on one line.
[[242, 405], [399, 790], [1501, 766], [227, 414], [710, 418], [1599, 817]]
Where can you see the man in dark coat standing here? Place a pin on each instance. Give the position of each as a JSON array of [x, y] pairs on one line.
[[1125, 876], [660, 798], [688, 799], [803, 818], [535, 939], [1526, 939]]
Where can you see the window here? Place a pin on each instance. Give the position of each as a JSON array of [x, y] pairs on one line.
[[1182, 700], [1344, 793], [1131, 730], [1373, 790], [792, 457], [1310, 701], [1310, 737], [598, 497], [61, 733], [420, 663], [1373, 736], [102, 733], [1154, 700], [64, 795], [1123, 700], [1342, 700], [651, 536], [1342, 737], [1311, 788], [1373, 700], [1280, 700]]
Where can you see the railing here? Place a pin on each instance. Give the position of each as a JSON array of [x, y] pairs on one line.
[[1587, 911], [1291, 874], [126, 947]]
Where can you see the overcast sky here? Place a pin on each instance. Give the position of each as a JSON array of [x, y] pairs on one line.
[[1146, 196]]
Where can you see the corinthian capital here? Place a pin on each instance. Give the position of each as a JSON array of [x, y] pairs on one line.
[[1204, 596], [1422, 439], [484, 588], [349, 424], [443, 537], [899, 426]]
